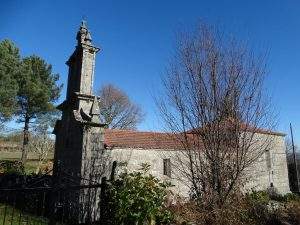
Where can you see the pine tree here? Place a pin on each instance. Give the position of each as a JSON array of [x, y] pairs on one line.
[[36, 93], [9, 69]]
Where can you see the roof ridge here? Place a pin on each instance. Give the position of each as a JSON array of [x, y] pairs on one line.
[[138, 131]]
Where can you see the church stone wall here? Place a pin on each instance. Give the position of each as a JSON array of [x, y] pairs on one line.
[[259, 177], [271, 167], [154, 157]]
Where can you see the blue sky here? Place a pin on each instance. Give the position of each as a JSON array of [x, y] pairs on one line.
[[137, 39]]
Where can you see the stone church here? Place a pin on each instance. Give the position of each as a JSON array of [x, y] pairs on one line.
[[84, 146]]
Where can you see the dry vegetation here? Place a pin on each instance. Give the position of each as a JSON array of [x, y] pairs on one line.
[[258, 208]]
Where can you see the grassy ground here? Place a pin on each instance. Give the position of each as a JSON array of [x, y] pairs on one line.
[[11, 216], [32, 161], [17, 155], [31, 166]]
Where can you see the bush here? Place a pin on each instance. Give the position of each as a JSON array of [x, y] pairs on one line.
[[11, 167], [258, 197], [139, 198], [292, 197], [255, 208]]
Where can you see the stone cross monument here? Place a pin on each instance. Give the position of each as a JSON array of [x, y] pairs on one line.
[[79, 133]]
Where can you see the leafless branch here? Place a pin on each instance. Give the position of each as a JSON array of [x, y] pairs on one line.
[[215, 103], [117, 110]]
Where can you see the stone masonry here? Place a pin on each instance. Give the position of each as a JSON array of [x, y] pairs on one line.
[[135, 148], [79, 133]]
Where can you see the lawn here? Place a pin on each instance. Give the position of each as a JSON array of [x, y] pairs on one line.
[[16, 155], [12, 216], [32, 161]]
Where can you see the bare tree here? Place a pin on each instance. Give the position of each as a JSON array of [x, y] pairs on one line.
[[117, 110], [214, 103], [42, 145]]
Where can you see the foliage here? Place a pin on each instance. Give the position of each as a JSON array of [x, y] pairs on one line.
[[45, 121], [259, 197], [117, 110], [292, 197], [139, 197], [36, 94], [9, 69], [28, 88], [264, 197], [256, 208], [11, 167], [37, 88]]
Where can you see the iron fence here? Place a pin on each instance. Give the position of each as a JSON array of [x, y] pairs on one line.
[[49, 205], [43, 200]]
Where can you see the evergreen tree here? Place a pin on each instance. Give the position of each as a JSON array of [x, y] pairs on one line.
[[9, 69], [36, 93]]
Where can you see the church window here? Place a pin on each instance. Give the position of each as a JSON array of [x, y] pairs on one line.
[[268, 159], [167, 167]]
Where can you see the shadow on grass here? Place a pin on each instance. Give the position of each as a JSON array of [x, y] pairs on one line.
[[13, 216]]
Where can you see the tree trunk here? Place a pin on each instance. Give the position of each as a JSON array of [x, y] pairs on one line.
[[25, 141]]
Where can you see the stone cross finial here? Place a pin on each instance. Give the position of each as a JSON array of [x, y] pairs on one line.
[[83, 24], [83, 35]]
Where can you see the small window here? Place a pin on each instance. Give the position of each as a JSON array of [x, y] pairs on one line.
[[268, 159], [167, 167]]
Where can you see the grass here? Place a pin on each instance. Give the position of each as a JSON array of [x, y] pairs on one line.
[[31, 166], [11, 216], [32, 161], [16, 155]]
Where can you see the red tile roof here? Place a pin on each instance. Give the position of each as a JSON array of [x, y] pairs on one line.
[[143, 140], [260, 130], [245, 127], [154, 140]]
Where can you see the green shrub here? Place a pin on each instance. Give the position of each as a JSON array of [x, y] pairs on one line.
[[139, 198], [292, 197], [11, 167], [263, 197], [259, 197]]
